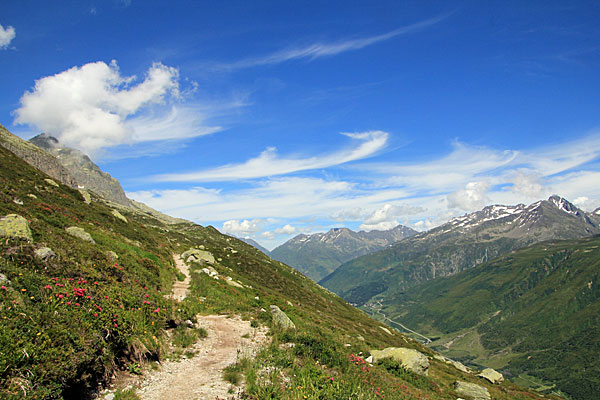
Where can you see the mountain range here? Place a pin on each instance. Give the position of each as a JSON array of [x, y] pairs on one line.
[[319, 254], [459, 244]]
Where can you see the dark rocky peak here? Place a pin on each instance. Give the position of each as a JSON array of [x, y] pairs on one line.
[[87, 174], [45, 141]]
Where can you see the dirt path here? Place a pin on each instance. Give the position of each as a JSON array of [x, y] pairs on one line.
[[181, 288], [201, 376]]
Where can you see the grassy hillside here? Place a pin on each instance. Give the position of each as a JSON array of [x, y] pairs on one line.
[[534, 313], [70, 321]]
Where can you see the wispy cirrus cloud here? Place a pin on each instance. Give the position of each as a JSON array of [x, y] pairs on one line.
[[318, 50], [268, 163]]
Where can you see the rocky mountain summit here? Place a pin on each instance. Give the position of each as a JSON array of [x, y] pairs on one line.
[[36, 157], [83, 169], [319, 254], [459, 244]]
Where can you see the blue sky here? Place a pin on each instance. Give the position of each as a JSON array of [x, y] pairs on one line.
[[267, 119]]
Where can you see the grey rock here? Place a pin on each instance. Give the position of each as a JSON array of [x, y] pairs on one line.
[[45, 253], [36, 157], [87, 198], [197, 255], [4, 279], [281, 319], [80, 233], [119, 216], [15, 226], [51, 182], [112, 256], [471, 391], [83, 169], [410, 358], [492, 375]]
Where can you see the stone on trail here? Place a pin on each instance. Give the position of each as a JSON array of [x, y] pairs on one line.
[[410, 358], [471, 391], [281, 319], [15, 226], [79, 233]]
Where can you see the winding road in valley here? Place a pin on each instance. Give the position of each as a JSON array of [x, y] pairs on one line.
[[385, 318]]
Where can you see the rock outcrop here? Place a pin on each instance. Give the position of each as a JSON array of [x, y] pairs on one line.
[[492, 375], [45, 253], [471, 391], [456, 364], [85, 172], [281, 319], [80, 233], [119, 216], [36, 157], [197, 255], [15, 226], [410, 358]]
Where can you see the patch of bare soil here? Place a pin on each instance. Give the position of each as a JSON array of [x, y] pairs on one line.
[[201, 377], [181, 288]]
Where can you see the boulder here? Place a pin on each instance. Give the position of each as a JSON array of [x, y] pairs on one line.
[[51, 182], [111, 256], [386, 330], [45, 253], [456, 364], [471, 391], [15, 226], [410, 358], [87, 198], [492, 375], [197, 255], [229, 280], [118, 215], [281, 319], [4, 279], [80, 233]]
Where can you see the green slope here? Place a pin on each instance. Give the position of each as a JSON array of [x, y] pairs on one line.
[[535, 312], [68, 323]]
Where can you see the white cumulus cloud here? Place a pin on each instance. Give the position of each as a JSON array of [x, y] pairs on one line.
[[387, 216], [472, 197], [528, 184], [285, 230], [244, 227], [6, 36], [88, 107]]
